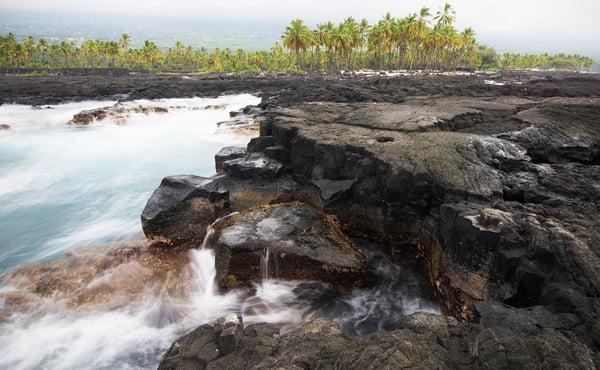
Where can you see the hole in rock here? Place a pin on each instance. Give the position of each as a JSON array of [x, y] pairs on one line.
[[384, 139]]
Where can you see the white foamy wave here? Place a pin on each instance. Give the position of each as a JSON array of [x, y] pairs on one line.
[[28, 117], [111, 340], [126, 332], [63, 186]]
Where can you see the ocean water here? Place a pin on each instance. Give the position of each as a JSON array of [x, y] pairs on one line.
[[207, 33], [78, 287], [63, 187]]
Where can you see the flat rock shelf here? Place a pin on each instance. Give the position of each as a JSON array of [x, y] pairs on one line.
[[490, 191]]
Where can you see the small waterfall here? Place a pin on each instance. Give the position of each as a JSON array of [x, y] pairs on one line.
[[208, 241], [205, 273], [264, 265], [203, 261]]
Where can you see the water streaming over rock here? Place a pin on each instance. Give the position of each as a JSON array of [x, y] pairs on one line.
[[264, 265], [121, 306]]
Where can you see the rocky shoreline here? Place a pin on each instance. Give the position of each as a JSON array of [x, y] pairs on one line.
[[493, 188]]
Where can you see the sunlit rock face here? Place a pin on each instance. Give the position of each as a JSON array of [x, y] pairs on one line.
[[291, 242]]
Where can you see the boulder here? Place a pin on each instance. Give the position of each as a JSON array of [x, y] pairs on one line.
[[229, 332], [227, 153], [253, 165], [291, 241], [192, 351], [258, 144], [181, 208]]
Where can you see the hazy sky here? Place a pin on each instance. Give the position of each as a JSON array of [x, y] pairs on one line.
[[572, 25]]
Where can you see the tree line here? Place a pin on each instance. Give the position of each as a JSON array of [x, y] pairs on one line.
[[422, 40]]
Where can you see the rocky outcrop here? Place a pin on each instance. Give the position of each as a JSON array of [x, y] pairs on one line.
[[116, 113], [491, 221], [205, 344], [227, 153], [253, 165], [119, 113], [503, 338], [285, 89], [4, 126], [243, 121], [557, 131], [497, 197], [288, 241], [181, 208]]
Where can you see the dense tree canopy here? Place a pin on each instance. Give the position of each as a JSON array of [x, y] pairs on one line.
[[418, 41]]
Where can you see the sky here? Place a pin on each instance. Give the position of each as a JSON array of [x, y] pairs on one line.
[[519, 25]]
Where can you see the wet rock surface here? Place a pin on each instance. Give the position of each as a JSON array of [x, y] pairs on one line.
[[503, 338], [253, 165], [493, 186], [116, 113], [227, 153], [498, 195], [181, 208], [290, 241]]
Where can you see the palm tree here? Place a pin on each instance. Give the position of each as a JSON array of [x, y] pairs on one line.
[[297, 37], [111, 48], [446, 16], [409, 42], [363, 28], [66, 48], [151, 54], [322, 36], [352, 28], [341, 41], [125, 39], [43, 47], [468, 44]]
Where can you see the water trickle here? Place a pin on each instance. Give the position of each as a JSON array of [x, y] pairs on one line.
[[264, 265], [130, 303], [203, 262], [208, 238], [203, 267]]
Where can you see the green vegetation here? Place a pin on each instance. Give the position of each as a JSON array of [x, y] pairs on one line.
[[419, 41]]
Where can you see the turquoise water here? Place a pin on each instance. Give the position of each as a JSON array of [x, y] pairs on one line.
[[66, 187]]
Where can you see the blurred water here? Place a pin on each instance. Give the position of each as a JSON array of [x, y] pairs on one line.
[[120, 306], [63, 187]]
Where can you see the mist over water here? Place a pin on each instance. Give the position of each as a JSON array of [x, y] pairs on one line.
[[207, 33], [119, 304]]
